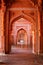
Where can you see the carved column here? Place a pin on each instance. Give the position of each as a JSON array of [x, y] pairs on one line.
[[41, 26], [41, 43], [2, 11], [6, 26]]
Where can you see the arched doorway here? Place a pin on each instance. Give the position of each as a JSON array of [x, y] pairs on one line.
[[22, 38], [21, 34]]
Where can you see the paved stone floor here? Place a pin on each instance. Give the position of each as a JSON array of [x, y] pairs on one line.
[[21, 59], [20, 50]]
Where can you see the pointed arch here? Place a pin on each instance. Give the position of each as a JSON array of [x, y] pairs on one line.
[[28, 18], [22, 36]]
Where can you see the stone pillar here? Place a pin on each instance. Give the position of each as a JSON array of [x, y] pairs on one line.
[[7, 31], [2, 10], [6, 26], [38, 32], [41, 43], [41, 25]]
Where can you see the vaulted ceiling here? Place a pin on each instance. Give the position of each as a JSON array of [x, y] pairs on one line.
[[10, 1]]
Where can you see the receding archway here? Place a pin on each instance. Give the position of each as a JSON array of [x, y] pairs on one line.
[[22, 38], [22, 28], [23, 15]]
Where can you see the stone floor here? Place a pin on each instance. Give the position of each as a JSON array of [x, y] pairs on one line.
[[20, 50], [21, 59], [21, 56]]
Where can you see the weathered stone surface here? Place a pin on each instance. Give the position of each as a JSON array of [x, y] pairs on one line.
[[21, 59]]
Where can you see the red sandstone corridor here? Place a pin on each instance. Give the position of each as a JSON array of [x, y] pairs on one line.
[[21, 32]]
